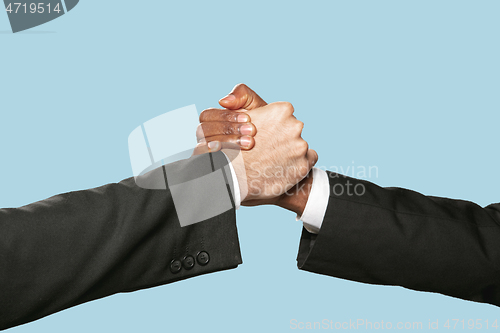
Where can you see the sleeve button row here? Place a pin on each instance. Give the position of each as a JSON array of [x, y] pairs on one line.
[[188, 262]]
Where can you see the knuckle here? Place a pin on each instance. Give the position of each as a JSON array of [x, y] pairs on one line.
[[287, 107], [203, 115], [226, 115], [299, 126], [296, 127], [302, 147], [206, 114], [232, 116], [227, 129], [240, 86]]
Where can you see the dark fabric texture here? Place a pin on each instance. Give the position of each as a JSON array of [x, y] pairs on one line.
[[81, 246], [393, 236]]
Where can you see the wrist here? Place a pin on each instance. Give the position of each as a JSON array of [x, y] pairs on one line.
[[238, 174], [296, 198]]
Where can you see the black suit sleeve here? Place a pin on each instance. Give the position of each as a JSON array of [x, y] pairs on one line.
[[393, 236], [81, 246]]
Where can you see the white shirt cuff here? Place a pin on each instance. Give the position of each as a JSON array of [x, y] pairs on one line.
[[236, 186], [315, 210]]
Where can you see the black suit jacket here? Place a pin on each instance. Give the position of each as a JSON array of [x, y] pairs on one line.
[[81, 246], [393, 236]]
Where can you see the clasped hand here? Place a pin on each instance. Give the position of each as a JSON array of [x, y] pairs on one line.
[[275, 160]]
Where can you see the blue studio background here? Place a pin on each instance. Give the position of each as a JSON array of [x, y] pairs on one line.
[[411, 87]]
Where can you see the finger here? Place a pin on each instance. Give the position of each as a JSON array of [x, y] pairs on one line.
[[224, 128], [312, 157], [224, 115], [244, 142], [204, 147], [242, 97]]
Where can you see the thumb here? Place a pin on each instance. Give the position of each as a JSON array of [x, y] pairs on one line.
[[242, 97], [312, 157]]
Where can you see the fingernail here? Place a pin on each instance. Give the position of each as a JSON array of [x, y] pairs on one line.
[[229, 98], [246, 129], [242, 118], [245, 141], [213, 145]]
